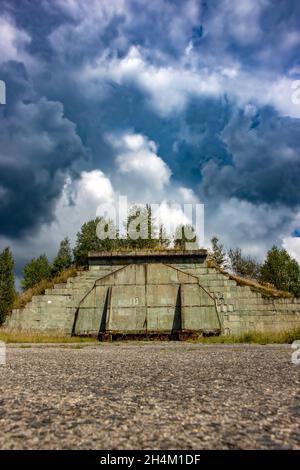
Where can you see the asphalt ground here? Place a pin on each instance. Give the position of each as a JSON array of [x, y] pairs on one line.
[[149, 395]]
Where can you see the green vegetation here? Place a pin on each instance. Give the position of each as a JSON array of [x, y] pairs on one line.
[[142, 233], [266, 290], [64, 257], [37, 270], [88, 240], [281, 270], [217, 253], [163, 239], [22, 299], [184, 234], [34, 337], [141, 230], [7, 283], [278, 276], [139, 222], [244, 266], [283, 337]]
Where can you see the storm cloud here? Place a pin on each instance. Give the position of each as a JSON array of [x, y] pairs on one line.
[[204, 87], [264, 165], [39, 148]]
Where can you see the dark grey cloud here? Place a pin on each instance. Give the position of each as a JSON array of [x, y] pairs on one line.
[[265, 160], [39, 147], [246, 161]]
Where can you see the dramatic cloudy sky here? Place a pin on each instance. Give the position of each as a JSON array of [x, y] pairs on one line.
[[161, 100]]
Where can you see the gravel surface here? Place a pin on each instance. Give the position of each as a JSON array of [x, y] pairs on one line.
[[149, 396]]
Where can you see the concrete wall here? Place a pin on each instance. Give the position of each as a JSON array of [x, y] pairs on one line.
[[145, 299], [154, 294], [242, 309]]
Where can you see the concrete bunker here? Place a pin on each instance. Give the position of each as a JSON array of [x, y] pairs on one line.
[[163, 294]]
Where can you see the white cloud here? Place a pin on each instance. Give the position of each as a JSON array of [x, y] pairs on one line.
[[252, 227], [137, 160], [91, 194], [91, 19], [80, 201], [146, 178], [13, 41], [168, 87], [141, 175], [94, 186], [187, 195], [292, 245], [170, 216], [280, 95], [169, 84], [77, 204], [239, 19]]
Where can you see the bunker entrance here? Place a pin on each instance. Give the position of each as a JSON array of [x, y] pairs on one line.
[[140, 301], [141, 311]]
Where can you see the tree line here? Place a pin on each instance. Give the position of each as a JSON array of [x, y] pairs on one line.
[[278, 269]]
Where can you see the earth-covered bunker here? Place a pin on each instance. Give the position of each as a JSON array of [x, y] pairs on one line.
[[174, 294]]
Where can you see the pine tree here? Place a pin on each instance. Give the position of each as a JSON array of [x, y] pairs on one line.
[[36, 271], [140, 227], [88, 240], [64, 258], [7, 282], [281, 270], [217, 253]]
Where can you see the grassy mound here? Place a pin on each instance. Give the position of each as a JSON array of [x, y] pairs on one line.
[[264, 290], [61, 278]]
